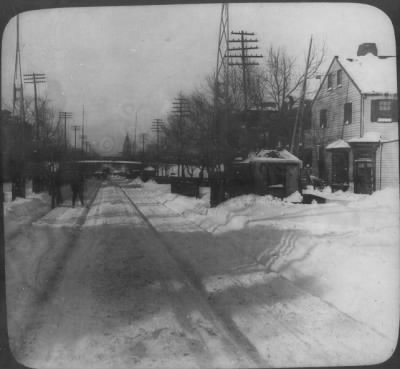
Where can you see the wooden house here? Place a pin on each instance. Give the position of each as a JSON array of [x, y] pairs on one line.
[[353, 139]]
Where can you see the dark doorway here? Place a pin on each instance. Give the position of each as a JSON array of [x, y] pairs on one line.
[[364, 177], [340, 170]]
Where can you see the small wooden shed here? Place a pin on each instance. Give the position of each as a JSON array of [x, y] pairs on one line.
[[275, 172]]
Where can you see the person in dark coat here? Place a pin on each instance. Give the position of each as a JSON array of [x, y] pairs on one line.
[[77, 185], [55, 183]]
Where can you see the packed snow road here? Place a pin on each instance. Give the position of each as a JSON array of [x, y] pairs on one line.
[[121, 300], [134, 284]]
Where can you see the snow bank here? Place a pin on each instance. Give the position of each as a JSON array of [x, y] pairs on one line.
[[137, 181], [23, 211], [153, 185], [388, 198], [294, 197], [344, 252]]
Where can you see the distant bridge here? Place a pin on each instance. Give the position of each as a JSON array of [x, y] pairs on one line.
[[126, 166], [113, 162]]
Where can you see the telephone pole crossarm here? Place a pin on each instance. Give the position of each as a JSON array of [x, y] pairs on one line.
[[35, 78], [65, 115], [75, 129]]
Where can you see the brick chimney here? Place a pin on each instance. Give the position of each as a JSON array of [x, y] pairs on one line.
[[367, 47]]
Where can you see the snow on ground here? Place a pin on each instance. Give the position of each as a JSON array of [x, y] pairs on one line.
[[335, 196], [345, 251], [22, 211]]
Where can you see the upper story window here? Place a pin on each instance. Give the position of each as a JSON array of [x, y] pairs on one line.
[[348, 113], [384, 111], [339, 78], [330, 81], [323, 118]]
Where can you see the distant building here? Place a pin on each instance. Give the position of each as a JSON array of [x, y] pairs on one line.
[[353, 141], [271, 128]]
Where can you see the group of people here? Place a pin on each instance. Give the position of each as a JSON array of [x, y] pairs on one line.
[[59, 177]]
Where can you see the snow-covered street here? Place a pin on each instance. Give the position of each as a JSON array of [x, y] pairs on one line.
[[146, 278]]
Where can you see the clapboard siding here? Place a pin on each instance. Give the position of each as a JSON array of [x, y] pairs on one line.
[[333, 101], [389, 152]]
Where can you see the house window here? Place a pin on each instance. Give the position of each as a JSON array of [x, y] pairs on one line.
[[330, 81], [348, 108], [339, 78], [323, 118], [384, 111]]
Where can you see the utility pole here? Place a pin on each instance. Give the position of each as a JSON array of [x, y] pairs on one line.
[[35, 78], [83, 136], [242, 54], [157, 127], [221, 83], [19, 112], [181, 109], [75, 128], [297, 134], [222, 70], [221, 113], [143, 137], [18, 90], [135, 135], [65, 115]]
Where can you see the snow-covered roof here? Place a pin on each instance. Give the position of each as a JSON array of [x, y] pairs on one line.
[[338, 144], [281, 156], [371, 73], [368, 137]]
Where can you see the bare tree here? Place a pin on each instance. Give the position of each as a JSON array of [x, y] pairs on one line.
[[282, 75]]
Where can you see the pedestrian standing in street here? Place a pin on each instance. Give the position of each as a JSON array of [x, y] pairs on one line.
[[77, 185], [54, 184]]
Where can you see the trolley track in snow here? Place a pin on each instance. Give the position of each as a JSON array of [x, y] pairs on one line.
[[221, 321]]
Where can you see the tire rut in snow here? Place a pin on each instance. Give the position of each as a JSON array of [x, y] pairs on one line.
[[52, 279], [223, 322]]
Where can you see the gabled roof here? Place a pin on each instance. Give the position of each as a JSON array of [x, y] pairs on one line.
[[338, 144], [271, 156], [370, 74], [275, 156]]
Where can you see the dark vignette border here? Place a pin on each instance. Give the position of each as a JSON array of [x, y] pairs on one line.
[[10, 8]]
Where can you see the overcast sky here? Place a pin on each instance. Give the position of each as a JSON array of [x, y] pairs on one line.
[[123, 60]]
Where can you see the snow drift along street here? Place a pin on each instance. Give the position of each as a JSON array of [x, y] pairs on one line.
[[164, 281]]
